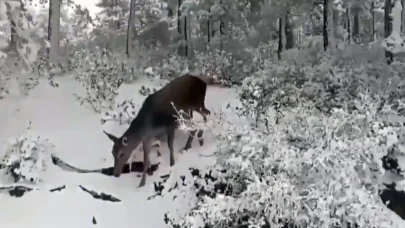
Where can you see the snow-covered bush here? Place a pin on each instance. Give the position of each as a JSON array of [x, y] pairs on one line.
[[230, 69], [4, 86], [326, 81], [27, 157], [102, 73], [172, 66], [146, 91], [123, 113], [314, 170]]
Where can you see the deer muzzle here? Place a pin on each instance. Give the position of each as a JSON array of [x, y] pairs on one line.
[[118, 168]]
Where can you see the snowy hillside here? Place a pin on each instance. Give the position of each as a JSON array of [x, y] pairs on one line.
[[307, 104]]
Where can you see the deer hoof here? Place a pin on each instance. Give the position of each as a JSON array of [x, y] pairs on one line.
[[186, 148], [172, 162], [201, 141], [141, 184]]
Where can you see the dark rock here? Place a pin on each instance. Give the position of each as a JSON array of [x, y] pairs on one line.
[[133, 167], [58, 188], [128, 168], [19, 191], [101, 196]]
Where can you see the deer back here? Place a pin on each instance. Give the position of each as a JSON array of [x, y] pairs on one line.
[[187, 93]]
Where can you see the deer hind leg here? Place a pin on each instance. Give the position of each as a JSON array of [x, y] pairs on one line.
[[147, 146], [156, 145], [200, 137], [170, 139], [191, 135], [203, 112], [189, 140]]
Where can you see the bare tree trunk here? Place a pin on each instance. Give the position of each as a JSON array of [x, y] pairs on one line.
[[281, 36], [130, 28], [13, 31], [221, 34], [54, 30], [388, 28], [325, 24], [373, 36], [289, 35], [209, 25], [356, 26], [221, 30], [402, 17], [179, 16], [49, 21], [331, 25], [179, 28], [349, 26], [185, 37]]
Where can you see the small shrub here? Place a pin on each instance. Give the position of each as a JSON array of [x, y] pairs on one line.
[[27, 157], [123, 113], [146, 91], [314, 170], [102, 77]]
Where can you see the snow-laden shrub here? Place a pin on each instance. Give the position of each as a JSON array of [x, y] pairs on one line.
[[4, 86], [172, 66], [326, 81], [27, 157], [146, 91], [314, 170], [228, 66], [101, 74], [123, 113]]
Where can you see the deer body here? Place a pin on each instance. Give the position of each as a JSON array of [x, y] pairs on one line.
[[157, 116]]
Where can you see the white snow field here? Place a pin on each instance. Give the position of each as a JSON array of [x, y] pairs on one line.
[[77, 134]]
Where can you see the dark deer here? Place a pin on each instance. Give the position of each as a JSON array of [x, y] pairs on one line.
[[157, 116]]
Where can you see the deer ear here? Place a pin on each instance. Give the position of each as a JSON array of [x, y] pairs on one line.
[[110, 136]]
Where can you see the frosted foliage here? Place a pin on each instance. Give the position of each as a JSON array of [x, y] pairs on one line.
[[312, 171], [30, 32], [123, 113], [4, 85], [27, 156], [102, 80]]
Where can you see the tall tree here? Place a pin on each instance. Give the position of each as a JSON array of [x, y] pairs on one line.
[[131, 24], [54, 29], [325, 24], [388, 27]]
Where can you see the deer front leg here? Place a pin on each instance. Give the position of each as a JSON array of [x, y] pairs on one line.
[[147, 145], [170, 139], [200, 137], [204, 112], [189, 140]]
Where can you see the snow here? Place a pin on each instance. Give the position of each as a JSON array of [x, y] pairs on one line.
[[78, 136]]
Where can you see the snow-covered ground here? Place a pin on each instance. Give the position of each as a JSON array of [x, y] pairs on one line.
[[77, 134]]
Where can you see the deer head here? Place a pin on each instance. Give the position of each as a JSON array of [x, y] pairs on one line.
[[121, 151]]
